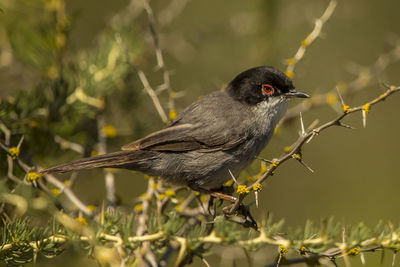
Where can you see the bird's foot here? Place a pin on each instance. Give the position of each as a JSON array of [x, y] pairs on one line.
[[241, 215]]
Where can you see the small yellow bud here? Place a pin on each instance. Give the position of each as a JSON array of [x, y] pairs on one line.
[[204, 198], [94, 153], [82, 220], [178, 208], [161, 196], [91, 207], [367, 108], [297, 156], [14, 151], [67, 183], [228, 183], [139, 207], [170, 193], [305, 43], [291, 61], [287, 149], [289, 73], [263, 167], [32, 176], [331, 99], [277, 130], [109, 131], [346, 108], [257, 187], [392, 87], [56, 191], [242, 190], [154, 185], [31, 123], [173, 114], [172, 94], [251, 179]]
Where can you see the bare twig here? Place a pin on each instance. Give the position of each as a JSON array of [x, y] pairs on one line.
[[160, 60], [319, 23], [143, 78]]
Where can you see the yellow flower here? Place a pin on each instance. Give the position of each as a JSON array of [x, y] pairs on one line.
[[33, 176], [170, 193], [354, 251], [173, 114], [161, 196], [367, 108], [282, 250], [274, 164], [346, 108], [277, 130], [257, 187], [302, 249], [82, 220], [242, 190], [94, 153], [109, 131], [287, 149], [14, 151]]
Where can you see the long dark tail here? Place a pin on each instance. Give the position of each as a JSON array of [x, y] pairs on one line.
[[133, 160]]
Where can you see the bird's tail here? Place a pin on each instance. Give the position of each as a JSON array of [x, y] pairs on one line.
[[133, 160]]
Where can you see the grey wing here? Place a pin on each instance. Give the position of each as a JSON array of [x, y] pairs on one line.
[[207, 125], [186, 137]]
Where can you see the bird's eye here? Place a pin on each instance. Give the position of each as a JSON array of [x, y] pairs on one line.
[[267, 89]]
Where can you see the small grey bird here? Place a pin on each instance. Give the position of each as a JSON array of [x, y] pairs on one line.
[[223, 131]]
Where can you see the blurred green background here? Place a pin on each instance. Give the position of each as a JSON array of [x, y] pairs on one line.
[[205, 45]]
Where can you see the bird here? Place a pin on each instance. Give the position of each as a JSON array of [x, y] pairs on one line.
[[215, 137]]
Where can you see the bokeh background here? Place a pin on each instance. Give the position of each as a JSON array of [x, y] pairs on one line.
[[205, 45]]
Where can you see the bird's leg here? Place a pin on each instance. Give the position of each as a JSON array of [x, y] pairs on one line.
[[212, 193]]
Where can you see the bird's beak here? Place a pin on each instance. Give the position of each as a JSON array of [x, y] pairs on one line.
[[295, 93]]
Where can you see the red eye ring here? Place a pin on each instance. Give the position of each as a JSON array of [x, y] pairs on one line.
[[267, 89]]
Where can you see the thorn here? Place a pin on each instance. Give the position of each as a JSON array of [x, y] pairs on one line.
[[341, 124], [305, 165], [256, 196], [362, 258], [265, 160], [205, 262], [233, 177], [303, 132], [364, 118], [394, 257], [20, 142], [311, 137], [340, 96]]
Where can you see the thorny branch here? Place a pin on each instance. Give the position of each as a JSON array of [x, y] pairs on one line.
[[295, 148]]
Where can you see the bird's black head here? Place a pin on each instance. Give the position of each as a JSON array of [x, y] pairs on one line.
[[261, 84]]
